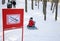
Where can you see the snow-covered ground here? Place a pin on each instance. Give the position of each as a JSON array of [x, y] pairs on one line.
[[48, 30]]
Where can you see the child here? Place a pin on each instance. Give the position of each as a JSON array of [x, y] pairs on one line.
[[13, 3], [9, 5], [31, 23]]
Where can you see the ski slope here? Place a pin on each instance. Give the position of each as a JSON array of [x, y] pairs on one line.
[[48, 30]]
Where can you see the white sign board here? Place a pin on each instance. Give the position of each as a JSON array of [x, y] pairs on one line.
[[13, 19]]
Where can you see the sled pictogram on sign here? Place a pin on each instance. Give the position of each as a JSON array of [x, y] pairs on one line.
[[13, 19]]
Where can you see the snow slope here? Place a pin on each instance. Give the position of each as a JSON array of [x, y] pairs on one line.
[[48, 30]]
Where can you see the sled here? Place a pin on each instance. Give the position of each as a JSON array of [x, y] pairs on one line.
[[32, 28]]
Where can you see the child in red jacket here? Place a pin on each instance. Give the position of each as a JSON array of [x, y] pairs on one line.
[[31, 23]]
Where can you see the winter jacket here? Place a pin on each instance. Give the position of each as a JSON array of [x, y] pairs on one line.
[[31, 23]]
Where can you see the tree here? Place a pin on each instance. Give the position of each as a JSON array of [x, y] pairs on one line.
[[35, 2], [3, 1], [26, 5], [32, 4], [38, 4], [55, 7], [56, 3], [44, 8]]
